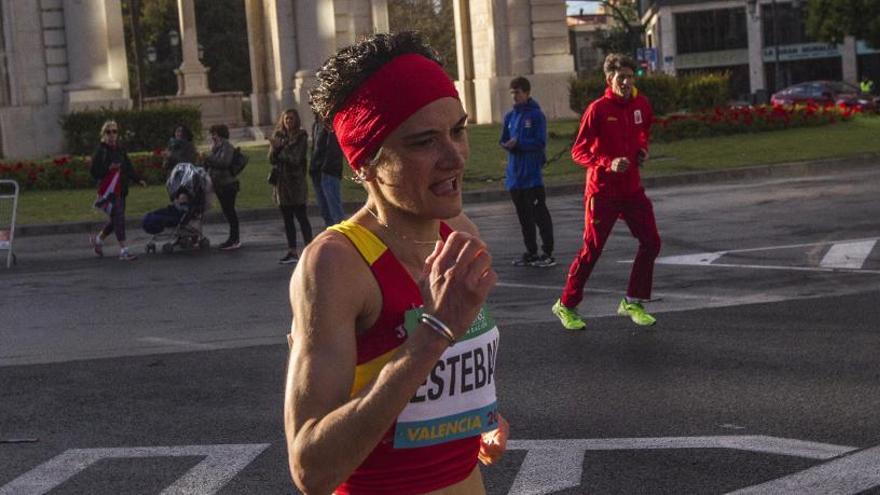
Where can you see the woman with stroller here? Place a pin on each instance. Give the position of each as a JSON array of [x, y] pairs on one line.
[[287, 154], [187, 186], [112, 170], [219, 165], [180, 149]]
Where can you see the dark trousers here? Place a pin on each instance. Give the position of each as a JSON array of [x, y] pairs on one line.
[[116, 223], [300, 213], [226, 196], [531, 209], [599, 218], [158, 220]]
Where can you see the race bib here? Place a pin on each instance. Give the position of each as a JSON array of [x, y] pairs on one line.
[[457, 399]]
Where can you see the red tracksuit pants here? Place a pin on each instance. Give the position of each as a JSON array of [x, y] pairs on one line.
[[599, 217]]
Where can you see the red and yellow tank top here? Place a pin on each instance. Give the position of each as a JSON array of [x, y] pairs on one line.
[[436, 438]]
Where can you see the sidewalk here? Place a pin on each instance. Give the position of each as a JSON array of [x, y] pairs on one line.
[[793, 169]]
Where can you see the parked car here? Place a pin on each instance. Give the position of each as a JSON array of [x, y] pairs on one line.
[[823, 92]]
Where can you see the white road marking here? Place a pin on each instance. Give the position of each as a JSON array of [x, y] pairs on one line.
[[845, 255], [557, 288], [691, 259], [549, 465], [177, 343], [554, 465], [221, 464], [791, 268], [850, 474], [850, 255]]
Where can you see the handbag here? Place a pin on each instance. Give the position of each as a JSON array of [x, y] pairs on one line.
[[273, 176]]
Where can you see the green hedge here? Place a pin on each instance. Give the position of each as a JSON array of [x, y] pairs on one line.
[[141, 130], [667, 93], [702, 91]]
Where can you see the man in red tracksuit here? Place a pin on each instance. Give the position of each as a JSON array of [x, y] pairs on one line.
[[611, 144]]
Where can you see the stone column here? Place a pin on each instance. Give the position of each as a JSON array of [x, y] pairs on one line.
[[464, 49], [90, 70], [519, 22], [344, 20], [258, 50], [316, 42], [381, 24], [273, 45], [757, 77], [519, 37], [850, 60], [192, 76], [667, 40], [362, 12], [491, 58], [552, 61]]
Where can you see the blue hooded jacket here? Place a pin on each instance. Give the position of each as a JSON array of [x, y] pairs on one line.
[[526, 123]]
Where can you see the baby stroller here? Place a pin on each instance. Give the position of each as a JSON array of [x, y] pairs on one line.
[[180, 223]]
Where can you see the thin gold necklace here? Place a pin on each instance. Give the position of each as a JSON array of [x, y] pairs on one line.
[[396, 234]]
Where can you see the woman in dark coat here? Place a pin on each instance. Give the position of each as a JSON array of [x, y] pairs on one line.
[[180, 149], [226, 185], [109, 158], [287, 154]]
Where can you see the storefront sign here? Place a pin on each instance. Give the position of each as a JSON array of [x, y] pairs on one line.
[[803, 51]]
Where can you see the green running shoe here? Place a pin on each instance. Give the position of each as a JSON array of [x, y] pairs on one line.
[[570, 319], [636, 313]]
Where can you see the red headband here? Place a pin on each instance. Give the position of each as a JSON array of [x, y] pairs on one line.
[[386, 99]]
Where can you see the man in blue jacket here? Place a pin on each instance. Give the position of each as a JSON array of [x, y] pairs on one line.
[[524, 137]]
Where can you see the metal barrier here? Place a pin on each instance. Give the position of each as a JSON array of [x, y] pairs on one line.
[[8, 205]]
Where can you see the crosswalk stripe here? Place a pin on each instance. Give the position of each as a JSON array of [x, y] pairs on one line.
[[850, 255]]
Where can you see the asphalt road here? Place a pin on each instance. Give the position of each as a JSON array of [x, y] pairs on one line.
[[165, 375]]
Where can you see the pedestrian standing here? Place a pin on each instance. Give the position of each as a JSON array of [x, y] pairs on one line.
[[612, 144], [226, 184], [325, 170], [180, 149], [112, 170], [524, 136], [287, 155]]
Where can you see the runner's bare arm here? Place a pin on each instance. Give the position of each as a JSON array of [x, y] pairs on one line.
[[328, 432]]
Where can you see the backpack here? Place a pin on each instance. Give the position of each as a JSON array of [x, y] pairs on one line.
[[239, 162]]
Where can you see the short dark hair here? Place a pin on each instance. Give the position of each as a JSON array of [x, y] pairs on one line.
[[521, 83], [342, 73], [220, 130], [616, 61], [187, 134]]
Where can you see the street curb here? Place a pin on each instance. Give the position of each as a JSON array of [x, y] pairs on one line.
[[791, 169]]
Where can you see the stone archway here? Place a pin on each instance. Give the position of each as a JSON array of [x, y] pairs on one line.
[[501, 39], [496, 40]]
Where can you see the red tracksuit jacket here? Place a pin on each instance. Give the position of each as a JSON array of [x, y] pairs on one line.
[[613, 127]]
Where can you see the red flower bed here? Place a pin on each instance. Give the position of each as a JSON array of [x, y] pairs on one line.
[[735, 120], [72, 172]]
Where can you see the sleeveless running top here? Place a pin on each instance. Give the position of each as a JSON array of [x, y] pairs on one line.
[[435, 440]]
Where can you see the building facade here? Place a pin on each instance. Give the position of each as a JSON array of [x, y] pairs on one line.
[[58, 56], [585, 30], [763, 44]]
